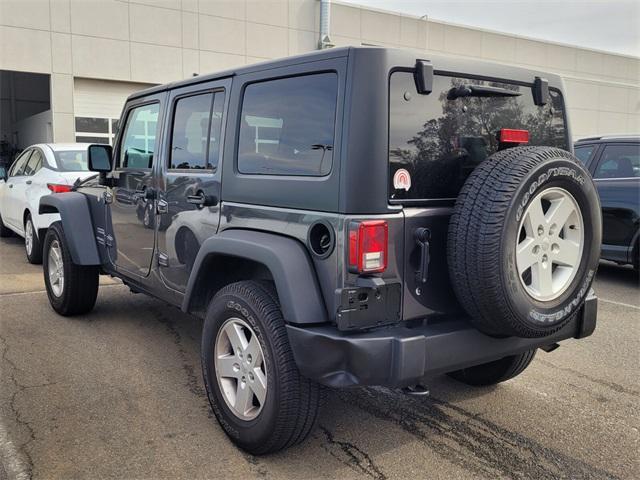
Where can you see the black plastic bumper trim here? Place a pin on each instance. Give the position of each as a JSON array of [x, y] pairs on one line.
[[400, 356]]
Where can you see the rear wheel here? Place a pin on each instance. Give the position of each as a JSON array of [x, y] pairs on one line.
[[32, 245], [72, 289], [254, 387], [494, 372]]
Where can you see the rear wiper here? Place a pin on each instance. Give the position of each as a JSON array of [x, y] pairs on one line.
[[480, 91]]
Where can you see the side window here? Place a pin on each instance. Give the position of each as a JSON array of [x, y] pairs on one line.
[[287, 126], [584, 153], [190, 136], [139, 138], [18, 166], [619, 161], [34, 164]]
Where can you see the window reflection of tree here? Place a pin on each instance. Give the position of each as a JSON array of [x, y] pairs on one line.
[[449, 147]]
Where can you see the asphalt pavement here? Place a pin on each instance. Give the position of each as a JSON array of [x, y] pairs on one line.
[[118, 393]]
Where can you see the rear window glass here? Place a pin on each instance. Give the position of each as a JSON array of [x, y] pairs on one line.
[[287, 126], [584, 153], [71, 160], [438, 141]]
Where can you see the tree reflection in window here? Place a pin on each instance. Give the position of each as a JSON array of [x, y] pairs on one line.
[[441, 141]]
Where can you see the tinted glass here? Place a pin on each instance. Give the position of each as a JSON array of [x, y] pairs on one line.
[[92, 125], [190, 132], [34, 164], [619, 161], [19, 164], [71, 160], [584, 153], [216, 129], [287, 126], [439, 141], [139, 138]]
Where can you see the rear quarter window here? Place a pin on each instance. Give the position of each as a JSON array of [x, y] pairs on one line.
[[440, 141], [287, 126]]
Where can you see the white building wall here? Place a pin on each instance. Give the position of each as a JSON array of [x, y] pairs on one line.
[[156, 41]]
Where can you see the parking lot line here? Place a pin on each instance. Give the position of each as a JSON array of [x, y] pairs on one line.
[[621, 304]]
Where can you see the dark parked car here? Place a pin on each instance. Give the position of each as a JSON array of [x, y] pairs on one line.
[[354, 216], [614, 162]]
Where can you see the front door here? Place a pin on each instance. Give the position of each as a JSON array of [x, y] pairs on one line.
[[189, 194], [133, 194]]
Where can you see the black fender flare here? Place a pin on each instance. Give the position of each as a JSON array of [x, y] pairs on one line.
[[77, 224], [287, 260]]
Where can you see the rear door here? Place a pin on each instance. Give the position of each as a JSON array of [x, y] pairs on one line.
[[435, 142], [189, 190], [134, 190], [617, 177]]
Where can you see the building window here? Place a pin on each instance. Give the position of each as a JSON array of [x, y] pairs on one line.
[[96, 130]]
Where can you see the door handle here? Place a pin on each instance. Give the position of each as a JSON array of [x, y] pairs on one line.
[[423, 237], [201, 200], [29, 182]]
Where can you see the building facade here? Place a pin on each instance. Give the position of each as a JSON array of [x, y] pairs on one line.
[[66, 66]]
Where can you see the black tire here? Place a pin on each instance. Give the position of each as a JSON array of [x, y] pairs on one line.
[[4, 230], [80, 287], [35, 255], [495, 372], [484, 231], [292, 402]]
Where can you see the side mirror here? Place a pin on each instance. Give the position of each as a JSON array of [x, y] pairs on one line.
[[99, 158], [4, 175]]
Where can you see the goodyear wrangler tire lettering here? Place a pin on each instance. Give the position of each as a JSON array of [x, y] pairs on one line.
[[524, 241]]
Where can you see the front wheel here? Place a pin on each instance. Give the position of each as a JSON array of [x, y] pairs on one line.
[[254, 387], [494, 372], [72, 289]]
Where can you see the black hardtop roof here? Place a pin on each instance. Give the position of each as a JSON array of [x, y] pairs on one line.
[[397, 57]]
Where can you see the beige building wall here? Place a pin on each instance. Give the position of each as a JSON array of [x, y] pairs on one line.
[[157, 41]]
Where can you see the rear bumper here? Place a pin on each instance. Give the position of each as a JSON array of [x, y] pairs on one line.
[[400, 355]]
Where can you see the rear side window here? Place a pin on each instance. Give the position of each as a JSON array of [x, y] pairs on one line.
[[287, 126], [195, 140], [438, 139], [34, 164], [584, 153], [619, 161]]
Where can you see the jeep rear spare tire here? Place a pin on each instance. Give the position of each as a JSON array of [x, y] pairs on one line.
[[524, 241]]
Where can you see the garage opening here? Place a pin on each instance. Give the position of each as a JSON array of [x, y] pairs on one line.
[[25, 112]]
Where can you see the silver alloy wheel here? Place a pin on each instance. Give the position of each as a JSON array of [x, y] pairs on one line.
[[549, 244], [28, 236], [240, 368], [56, 268]]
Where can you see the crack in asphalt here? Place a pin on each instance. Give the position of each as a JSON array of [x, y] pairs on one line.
[[468, 439], [350, 455], [19, 388]]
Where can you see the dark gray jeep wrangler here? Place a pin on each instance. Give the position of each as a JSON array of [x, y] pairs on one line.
[[349, 217]]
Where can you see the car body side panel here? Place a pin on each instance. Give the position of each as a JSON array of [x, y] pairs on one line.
[[286, 259]]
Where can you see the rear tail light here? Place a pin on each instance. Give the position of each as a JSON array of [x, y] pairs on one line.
[[368, 246], [510, 135], [58, 188]]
